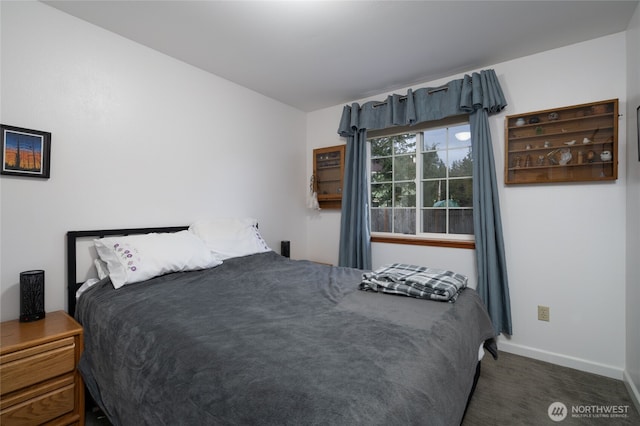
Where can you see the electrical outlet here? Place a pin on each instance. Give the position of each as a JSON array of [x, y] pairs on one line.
[[543, 313]]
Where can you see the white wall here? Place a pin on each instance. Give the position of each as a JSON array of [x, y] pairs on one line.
[[138, 139], [565, 242], [632, 370], [323, 227]]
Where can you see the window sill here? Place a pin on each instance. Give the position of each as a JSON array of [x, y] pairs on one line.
[[424, 242]]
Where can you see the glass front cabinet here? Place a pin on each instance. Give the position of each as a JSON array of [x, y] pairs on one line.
[[569, 144], [328, 173]]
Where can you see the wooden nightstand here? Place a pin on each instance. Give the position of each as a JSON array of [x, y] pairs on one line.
[[39, 379]]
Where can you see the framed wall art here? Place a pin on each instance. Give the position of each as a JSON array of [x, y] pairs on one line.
[[25, 152]]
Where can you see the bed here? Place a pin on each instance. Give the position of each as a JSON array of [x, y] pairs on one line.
[[265, 340]]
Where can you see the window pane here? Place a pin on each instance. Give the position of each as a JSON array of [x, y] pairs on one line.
[[460, 162], [461, 221], [445, 179], [459, 136], [433, 191], [433, 165], [434, 220], [381, 169], [381, 220], [404, 167], [404, 144], [435, 139], [405, 194], [461, 192], [381, 195], [404, 221], [380, 147]]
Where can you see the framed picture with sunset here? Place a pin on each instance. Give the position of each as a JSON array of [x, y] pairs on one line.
[[25, 152]]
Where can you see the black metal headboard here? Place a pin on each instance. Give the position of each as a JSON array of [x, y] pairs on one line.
[[72, 236]]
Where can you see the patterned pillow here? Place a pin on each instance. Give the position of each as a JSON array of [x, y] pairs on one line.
[[134, 258]]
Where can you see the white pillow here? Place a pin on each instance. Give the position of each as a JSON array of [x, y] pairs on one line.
[[102, 268], [230, 237], [134, 258], [86, 286]]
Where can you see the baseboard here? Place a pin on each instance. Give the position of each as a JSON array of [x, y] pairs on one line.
[[632, 389], [563, 360]]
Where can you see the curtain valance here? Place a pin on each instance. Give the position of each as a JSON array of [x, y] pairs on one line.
[[457, 97]]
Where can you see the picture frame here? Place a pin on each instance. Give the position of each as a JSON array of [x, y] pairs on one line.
[[25, 152]]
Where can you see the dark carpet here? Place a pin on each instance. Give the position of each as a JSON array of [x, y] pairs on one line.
[[516, 390]]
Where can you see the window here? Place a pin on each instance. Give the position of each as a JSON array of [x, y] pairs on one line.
[[421, 183]]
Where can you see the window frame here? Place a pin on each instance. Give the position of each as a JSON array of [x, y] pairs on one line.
[[465, 241]]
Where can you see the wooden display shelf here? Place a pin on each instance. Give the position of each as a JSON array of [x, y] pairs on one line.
[[570, 144], [328, 172]]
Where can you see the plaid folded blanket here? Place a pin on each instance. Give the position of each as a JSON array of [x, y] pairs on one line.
[[415, 281]]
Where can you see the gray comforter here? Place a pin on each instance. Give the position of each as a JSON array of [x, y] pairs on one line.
[[264, 340]]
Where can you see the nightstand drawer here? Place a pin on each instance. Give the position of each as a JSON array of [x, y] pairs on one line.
[[39, 381], [39, 404], [29, 366]]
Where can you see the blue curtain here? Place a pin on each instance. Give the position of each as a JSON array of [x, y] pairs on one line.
[[355, 238], [493, 285], [477, 96]]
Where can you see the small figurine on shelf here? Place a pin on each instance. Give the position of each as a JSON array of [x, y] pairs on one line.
[[520, 122], [591, 157], [534, 120], [547, 144], [552, 157], [606, 156], [527, 161], [518, 162], [565, 156], [586, 140], [539, 130], [580, 157], [553, 116], [540, 161]]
